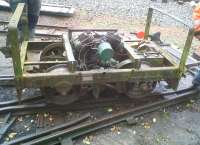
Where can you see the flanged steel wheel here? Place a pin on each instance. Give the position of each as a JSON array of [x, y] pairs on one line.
[[64, 92], [52, 52]]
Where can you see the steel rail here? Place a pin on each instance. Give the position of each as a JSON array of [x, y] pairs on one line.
[[23, 100], [33, 107], [52, 130], [7, 80], [5, 127], [28, 106], [22, 107], [80, 130]]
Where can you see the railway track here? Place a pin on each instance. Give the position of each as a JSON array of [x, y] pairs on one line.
[[73, 132], [30, 105]]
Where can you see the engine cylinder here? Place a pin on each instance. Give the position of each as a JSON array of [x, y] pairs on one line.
[[105, 52]]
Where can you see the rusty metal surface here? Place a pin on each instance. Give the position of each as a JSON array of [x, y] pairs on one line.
[[23, 100]]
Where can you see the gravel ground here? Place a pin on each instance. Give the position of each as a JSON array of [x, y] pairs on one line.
[[130, 15], [165, 127], [132, 9]]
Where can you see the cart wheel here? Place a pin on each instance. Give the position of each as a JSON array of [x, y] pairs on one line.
[[53, 96], [140, 90], [63, 92], [52, 52]]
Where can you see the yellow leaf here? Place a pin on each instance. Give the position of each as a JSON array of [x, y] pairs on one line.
[[86, 141], [12, 135], [110, 110]]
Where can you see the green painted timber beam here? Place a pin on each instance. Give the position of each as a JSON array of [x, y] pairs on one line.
[[18, 52], [186, 51], [148, 23], [13, 41], [99, 76]]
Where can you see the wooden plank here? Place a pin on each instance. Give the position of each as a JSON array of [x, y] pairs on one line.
[[138, 57], [148, 23], [13, 40], [4, 5], [58, 11], [46, 9], [164, 53], [16, 16], [45, 62], [186, 51], [99, 76], [133, 55], [176, 53]]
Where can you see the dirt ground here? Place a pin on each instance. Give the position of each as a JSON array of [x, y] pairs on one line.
[[179, 125]]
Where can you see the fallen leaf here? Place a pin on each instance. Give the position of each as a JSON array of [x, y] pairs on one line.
[[146, 125], [164, 110], [115, 129], [141, 117], [188, 105], [70, 113], [50, 118], [28, 129], [12, 135], [46, 114], [25, 126], [192, 101], [86, 141], [154, 120], [110, 110], [20, 119], [91, 137], [27, 116], [23, 90], [134, 132]]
